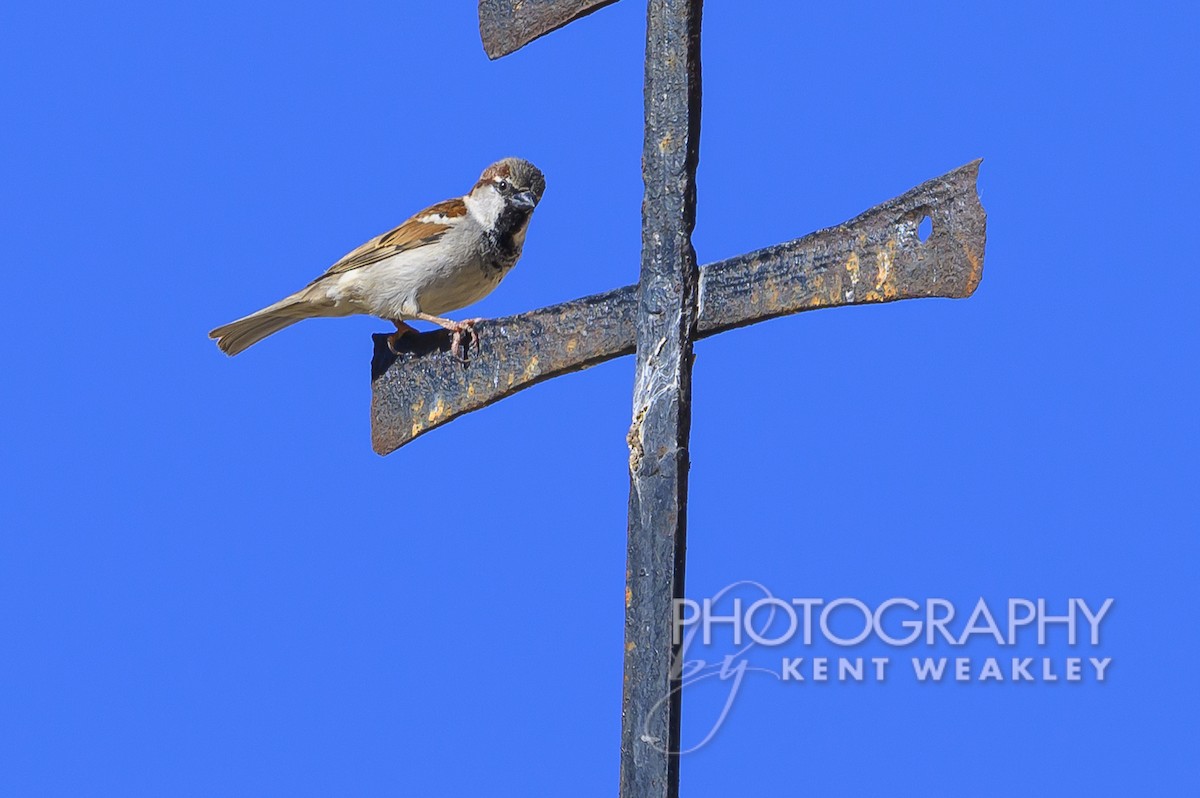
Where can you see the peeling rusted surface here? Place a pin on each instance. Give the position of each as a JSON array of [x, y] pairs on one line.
[[508, 25], [875, 257]]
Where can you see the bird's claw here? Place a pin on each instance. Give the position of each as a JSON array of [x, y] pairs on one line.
[[464, 331]]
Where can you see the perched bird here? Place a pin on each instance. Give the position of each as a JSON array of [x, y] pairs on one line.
[[444, 258]]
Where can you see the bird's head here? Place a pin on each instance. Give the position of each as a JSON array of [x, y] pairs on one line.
[[507, 193]]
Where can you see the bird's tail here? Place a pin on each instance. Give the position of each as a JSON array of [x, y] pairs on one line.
[[239, 335]]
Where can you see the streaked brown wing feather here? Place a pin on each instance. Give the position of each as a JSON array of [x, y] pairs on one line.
[[419, 230]]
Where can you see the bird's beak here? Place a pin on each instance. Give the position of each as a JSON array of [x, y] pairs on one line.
[[525, 200]]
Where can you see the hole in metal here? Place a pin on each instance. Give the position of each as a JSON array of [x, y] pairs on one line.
[[924, 229]]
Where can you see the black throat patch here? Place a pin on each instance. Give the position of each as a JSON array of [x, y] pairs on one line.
[[503, 237]]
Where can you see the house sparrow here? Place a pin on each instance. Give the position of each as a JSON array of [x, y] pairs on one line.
[[444, 258]]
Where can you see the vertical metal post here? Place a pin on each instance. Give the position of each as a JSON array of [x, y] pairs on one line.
[[658, 439]]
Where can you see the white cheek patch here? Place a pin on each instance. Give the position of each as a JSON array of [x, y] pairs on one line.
[[485, 206]]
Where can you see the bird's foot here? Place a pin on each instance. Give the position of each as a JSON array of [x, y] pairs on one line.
[[462, 338]]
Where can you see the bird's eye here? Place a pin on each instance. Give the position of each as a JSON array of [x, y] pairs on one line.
[[502, 186]]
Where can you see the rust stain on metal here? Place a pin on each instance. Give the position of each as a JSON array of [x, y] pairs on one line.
[[852, 271], [437, 412], [805, 274]]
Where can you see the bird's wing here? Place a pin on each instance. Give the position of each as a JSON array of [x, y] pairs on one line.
[[419, 230]]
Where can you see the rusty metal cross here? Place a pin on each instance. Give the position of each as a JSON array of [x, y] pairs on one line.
[[879, 256]]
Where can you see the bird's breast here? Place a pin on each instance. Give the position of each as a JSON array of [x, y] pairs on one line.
[[455, 272]]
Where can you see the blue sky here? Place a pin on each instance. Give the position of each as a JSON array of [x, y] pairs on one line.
[[211, 585]]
